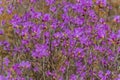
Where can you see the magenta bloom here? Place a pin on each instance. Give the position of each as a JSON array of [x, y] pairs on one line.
[[25, 64], [49, 2], [1, 10], [40, 51], [102, 2], [73, 77], [46, 17], [3, 77], [10, 9], [35, 14], [117, 18], [6, 61], [0, 2], [1, 32], [118, 34], [33, 1]]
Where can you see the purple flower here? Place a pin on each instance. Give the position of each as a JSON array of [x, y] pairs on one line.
[[65, 8], [108, 72], [118, 49], [78, 51], [66, 18], [102, 20], [38, 15], [20, 1], [92, 15], [25, 64], [49, 2], [101, 30], [117, 18], [0, 2], [54, 24], [118, 79], [83, 75], [32, 1], [53, 9], [3, 22], [35, 14], [10, 9], [84, 39], [16, 68], [36, 69], [1, 32], [73, 77], [24, 32], [102, 2], [84, 3], [16, 20], [47, 34], [27, 24], [61, 78], [112, 37], [77, 32], [78, 21], [36, 29], [99, 48], [118, 34], [58, 35], [1, 10], [55, 43], [25, 42], [6, 61], [6, 45], [46, 17], [100, 74], [48, 73], [63, 69], [41, 50], [101, 33], [3, 77]]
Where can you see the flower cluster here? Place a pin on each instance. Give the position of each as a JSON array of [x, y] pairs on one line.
[[59, 40]]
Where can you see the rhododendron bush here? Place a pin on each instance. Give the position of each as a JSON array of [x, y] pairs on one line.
[[59, 40]]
